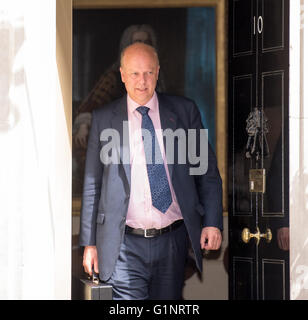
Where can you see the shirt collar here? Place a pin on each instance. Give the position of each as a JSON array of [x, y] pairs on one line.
[[152, 104]]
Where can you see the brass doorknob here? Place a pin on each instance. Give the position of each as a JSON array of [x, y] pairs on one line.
[[247, 235]]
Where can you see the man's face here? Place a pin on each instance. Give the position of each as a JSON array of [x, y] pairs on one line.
[[139, 72]]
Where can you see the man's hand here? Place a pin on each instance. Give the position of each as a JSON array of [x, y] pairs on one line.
[[90, 259], [210, 238], [283, 238]]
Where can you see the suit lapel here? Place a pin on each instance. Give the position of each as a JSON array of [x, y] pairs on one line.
[[168, 120], [119, 122]]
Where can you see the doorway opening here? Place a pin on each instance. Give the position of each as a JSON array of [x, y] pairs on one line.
[[189, 37]]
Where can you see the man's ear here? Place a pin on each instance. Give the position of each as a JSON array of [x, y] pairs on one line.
[[158, 68], [122, 75]]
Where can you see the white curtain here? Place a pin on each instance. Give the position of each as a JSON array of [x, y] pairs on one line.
[[298, 128], [28, 124]]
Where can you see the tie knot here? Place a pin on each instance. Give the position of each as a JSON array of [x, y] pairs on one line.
[[143, 110]]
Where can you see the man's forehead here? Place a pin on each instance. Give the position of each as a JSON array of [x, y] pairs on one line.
[[137, 69], [138, 64], [139, 51]]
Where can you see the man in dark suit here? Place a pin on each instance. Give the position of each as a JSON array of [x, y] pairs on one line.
[[139, 209]]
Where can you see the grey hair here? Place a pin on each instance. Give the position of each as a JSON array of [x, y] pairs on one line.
[[127, 36]]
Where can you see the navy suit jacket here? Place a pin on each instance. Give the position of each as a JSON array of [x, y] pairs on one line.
[[107, 186]]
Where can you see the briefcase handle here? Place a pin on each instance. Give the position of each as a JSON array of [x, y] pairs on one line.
[[95, 277]]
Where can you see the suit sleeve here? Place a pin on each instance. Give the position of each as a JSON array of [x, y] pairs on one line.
[[209, 184], [92, 187]]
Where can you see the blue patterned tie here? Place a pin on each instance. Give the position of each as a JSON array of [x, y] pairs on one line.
[[160, 191]]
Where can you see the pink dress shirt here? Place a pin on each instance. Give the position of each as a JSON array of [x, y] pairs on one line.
[[141, 213]]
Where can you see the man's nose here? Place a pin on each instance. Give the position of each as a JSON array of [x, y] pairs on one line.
[[143, 77]]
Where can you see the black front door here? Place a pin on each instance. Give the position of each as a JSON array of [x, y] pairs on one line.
[[258, 149]]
